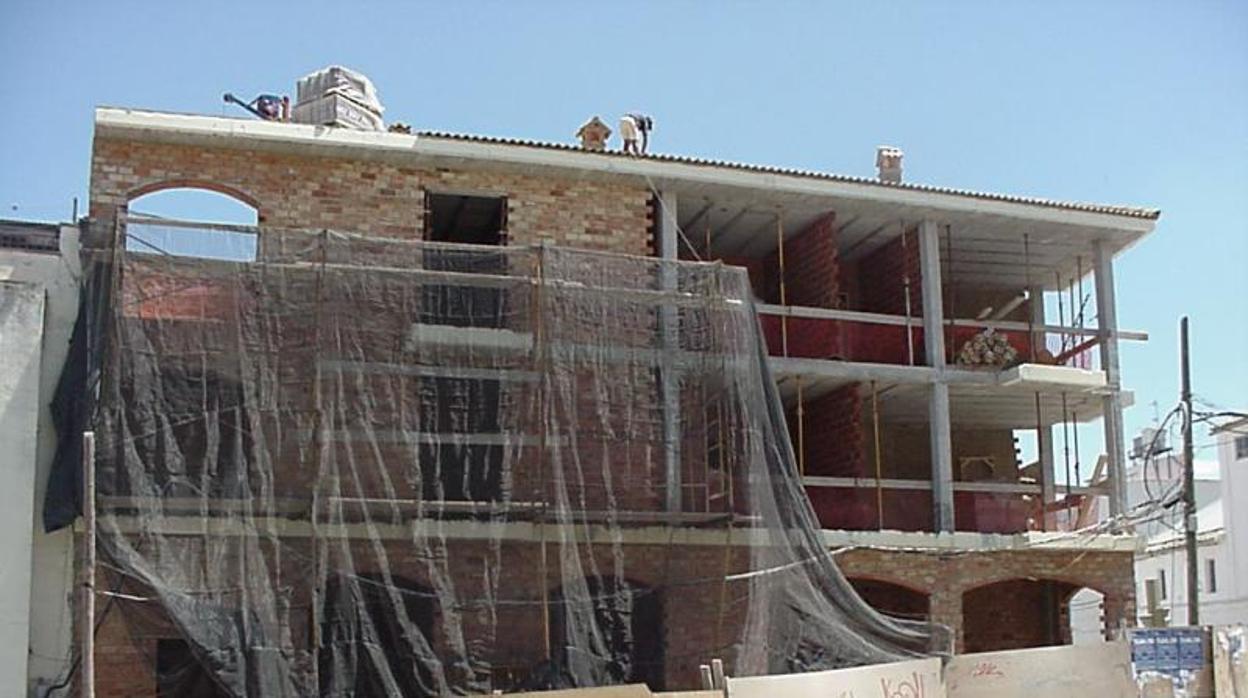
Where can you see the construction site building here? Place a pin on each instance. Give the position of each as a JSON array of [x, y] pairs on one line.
[[905, 325]]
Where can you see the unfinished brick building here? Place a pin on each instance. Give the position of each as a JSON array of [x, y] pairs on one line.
[[872, 297]]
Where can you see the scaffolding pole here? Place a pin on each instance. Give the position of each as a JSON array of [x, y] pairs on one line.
[[905, 290], [87, 626], [539, 359], [784, 345], [879, 474]]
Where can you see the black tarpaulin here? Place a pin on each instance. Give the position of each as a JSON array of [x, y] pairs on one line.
[[369, 467]]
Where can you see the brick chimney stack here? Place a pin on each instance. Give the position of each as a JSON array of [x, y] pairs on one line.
[[888, 162]]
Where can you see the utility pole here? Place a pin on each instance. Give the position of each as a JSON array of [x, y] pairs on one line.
[[1189, 485]]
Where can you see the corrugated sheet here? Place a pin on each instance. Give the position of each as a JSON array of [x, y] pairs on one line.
[[1129, 211]]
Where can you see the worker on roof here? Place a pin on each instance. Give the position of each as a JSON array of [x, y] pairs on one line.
[[632, 126]]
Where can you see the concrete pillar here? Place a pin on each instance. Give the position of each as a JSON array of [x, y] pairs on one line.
[[1107, 323], [938, 405], [1044, 434], [669, 380]]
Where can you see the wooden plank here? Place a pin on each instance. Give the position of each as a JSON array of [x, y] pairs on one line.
[[919, 678], [1102, 670]]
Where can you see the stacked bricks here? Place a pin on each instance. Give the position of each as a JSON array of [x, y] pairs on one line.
[[883, 275], [369, 197]]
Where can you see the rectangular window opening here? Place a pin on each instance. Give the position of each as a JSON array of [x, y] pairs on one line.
[[473, 220], [1161, 583], [1211, 576]]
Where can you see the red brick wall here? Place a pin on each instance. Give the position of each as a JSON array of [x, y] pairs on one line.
[[812, 273], [832, 433], [762, 277], [882, 274], [508, 636], [375, 198], [1016, 614]]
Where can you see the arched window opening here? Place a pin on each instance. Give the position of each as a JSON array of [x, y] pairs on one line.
[[179, 674], [1017, 614], [893, 599], [609, 632], [377, 638], [192, 222]]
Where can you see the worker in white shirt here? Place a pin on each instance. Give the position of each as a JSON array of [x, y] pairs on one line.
[[634, 127]]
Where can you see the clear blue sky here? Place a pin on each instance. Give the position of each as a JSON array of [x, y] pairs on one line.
[[1118, 102]]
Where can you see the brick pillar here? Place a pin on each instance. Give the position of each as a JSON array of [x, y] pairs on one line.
[[1119, 615], [946, 609]]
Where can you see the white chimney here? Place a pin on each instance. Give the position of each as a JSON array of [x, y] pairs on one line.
[[888, 162]]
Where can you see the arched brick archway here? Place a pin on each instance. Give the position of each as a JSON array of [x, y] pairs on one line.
[[1016, 614], [201, 184], [893, 599]]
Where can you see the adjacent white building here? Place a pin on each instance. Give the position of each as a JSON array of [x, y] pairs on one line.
[[39, 281], [1222, 544]]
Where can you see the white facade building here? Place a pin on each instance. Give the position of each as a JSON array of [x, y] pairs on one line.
[[39, 275], [1222, 545]]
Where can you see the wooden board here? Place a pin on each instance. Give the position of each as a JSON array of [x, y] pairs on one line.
[[914, 679], [1070, 671]]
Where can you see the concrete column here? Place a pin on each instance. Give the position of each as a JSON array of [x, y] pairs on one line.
[[938, 406], [1044, 434], [1107, 323], [669, 380]]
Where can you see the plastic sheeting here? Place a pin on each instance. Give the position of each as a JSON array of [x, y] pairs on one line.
[[367, 467]]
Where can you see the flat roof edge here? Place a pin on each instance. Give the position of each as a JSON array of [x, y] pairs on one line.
[[143, 125]]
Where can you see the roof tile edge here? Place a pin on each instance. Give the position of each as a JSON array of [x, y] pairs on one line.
[[113, 117]]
